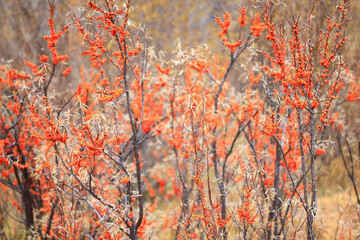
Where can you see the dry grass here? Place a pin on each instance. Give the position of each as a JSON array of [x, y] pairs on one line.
[[338, 213]]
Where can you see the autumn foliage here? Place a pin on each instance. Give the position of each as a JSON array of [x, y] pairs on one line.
[[117, 142]]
